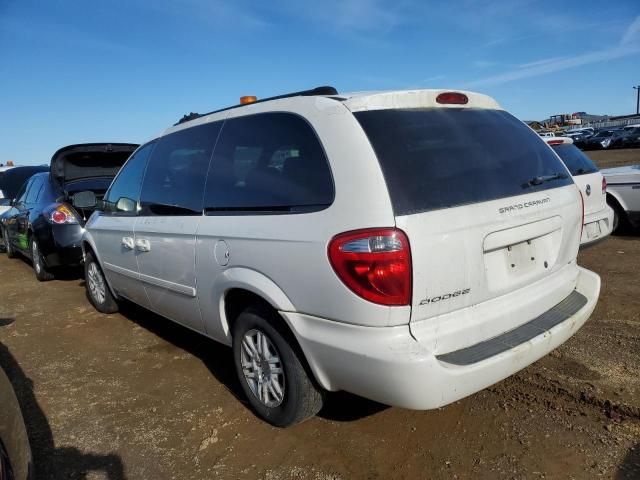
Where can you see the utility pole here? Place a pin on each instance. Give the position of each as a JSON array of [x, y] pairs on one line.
[[638, 100]]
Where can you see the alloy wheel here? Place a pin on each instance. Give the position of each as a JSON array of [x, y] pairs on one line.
[[96, 283], [262, 368]]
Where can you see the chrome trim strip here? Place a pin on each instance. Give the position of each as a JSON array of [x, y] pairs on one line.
[[122, 271], [174, 287]]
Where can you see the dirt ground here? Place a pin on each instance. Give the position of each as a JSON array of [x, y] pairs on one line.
[[134, 396]]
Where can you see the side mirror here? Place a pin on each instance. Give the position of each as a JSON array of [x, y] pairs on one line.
[[86, 199], [126, 205]]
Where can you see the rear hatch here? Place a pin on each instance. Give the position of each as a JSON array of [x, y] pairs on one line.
[[486, 205], [89, 166], [586, 176]]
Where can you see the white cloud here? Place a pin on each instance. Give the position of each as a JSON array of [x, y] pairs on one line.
[[538, 63], [629, 46], [632, 34]]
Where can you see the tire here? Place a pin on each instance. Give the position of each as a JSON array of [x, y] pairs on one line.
[[7, 245], [290, 395], [42, 274], [620, 223], [98, 291], [616, 221]]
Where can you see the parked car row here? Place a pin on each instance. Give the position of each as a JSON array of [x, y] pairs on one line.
[[409, 247], [605, 138]]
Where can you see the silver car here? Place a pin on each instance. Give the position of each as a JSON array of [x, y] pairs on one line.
[[623, 194], [411, 247]]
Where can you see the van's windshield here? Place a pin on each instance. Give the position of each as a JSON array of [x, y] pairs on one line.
[[444, 157]]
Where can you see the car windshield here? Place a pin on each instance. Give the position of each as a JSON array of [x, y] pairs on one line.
[[437, 158], [604, 133], [576, 161]]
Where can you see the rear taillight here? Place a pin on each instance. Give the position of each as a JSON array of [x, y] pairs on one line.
[[582, 221], [374, 263], [62, 214], [604, 185]]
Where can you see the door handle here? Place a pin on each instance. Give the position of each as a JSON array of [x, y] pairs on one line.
[[127, 242], [143, 245]]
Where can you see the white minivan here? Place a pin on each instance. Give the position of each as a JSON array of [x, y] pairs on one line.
[[411, 247]]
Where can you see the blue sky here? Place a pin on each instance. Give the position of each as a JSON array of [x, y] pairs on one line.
[[78, 71]]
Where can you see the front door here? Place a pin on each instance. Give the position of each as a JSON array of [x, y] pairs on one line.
[[165, 231], [112, 229]]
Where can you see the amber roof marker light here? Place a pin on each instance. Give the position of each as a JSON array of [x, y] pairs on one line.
[[248, 99]]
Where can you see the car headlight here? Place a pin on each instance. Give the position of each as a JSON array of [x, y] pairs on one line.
[[605, 142]]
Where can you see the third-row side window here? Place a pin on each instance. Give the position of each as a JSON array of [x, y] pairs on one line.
[[268, 162]]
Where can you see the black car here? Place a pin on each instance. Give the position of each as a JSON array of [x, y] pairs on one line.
[[631, 138], [43, 223], [603, 139]]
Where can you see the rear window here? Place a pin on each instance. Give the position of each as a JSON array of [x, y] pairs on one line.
[[576, 161], [445, 157]]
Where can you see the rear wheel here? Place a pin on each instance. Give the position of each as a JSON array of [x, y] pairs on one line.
[[271, 371], [619, 216], [7, 245], [97, 290], [42, 273]]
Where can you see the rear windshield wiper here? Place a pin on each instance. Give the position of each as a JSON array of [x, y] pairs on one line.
[[539, 180]]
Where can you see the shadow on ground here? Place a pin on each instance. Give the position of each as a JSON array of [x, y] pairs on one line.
[[630, 467], [67, 463], [340, 406]]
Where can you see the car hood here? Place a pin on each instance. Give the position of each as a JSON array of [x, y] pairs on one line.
[[89, 160]]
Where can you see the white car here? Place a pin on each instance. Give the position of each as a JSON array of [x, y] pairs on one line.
[[598, 216], [411, 247], [623, 194]]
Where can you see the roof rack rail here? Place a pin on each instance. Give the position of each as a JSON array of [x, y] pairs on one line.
[[323, 90], [187, 117]]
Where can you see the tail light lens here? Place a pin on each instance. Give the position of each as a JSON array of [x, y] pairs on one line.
[[62, 214], [604, 185], [582, 221], [375, 264]]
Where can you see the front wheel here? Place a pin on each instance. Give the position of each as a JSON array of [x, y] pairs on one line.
[[271, 371], [42, 274], [97, 290]]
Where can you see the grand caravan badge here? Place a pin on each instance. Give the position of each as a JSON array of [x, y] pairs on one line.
[[521, 206]]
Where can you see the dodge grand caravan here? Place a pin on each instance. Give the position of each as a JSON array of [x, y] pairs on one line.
[[411, 247]]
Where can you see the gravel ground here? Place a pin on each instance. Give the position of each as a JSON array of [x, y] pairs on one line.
[[134, 396]]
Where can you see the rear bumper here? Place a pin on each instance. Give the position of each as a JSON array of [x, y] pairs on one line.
[[390, 366], [597, 226], [61, 245]]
